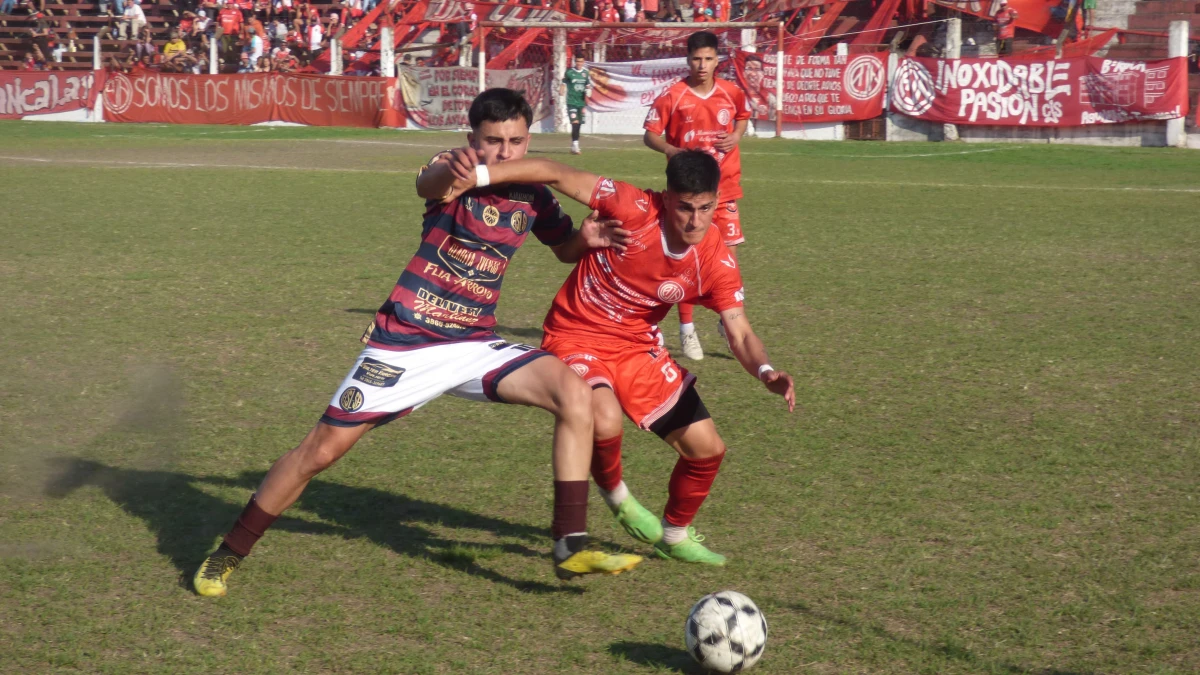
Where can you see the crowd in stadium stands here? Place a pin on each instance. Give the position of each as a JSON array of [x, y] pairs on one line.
[[284, 35]]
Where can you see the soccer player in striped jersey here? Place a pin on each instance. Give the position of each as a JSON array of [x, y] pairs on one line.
[[435, 335]]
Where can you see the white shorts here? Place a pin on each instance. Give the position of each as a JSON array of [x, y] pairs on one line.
[[385, 385]]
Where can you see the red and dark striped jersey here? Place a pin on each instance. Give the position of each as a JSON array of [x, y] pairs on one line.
[[448, 291]]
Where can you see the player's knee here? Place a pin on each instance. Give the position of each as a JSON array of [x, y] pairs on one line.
[[607, 418], [574, 399], [319, 452]]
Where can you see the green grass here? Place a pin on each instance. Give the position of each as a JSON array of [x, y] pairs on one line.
[[994, 468]]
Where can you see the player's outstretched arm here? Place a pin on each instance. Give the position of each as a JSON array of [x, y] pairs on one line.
[[571, 182], [750, 352]]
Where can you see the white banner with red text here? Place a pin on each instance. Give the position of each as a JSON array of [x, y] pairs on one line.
[[816, 87], [439, 98], [314, 100], [25, 93], [1048, 92]]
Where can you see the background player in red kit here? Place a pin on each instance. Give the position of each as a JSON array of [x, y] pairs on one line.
[[602, 325], [435, 335], [702, 112]]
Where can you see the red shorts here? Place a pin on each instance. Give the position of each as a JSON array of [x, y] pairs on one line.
[[728, 221], [645, 378]]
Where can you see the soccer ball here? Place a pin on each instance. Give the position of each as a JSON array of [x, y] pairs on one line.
[[726, 632]]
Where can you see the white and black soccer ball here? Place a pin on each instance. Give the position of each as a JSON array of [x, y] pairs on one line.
[[726, 632]]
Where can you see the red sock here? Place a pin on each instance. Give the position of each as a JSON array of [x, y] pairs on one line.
[[606, 463], [685, 312], [570, 508], [690, 482], [248, 529]]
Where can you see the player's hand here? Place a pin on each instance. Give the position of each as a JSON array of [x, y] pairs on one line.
[[780, 383], [726, 143], [603, 233], [462, 164]]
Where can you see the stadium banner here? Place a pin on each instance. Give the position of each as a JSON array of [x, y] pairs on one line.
[[30, 92], [1046, 93], [439, 98], [252, 98], [630, 85], [816, 87]]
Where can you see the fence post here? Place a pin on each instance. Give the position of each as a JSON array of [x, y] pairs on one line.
[[560, 71], [953, 51], [387, 52], [780, 68], [1177, 44], [96, 63], [335, 57], [482, 61]]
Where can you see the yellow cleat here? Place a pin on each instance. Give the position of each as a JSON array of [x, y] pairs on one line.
[[210, 578], [595, 562]]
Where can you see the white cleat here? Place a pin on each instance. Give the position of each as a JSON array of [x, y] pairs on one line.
[[691, 346]]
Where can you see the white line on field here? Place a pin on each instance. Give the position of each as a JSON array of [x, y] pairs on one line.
[[194, 165], [924, 154], [801, 181]]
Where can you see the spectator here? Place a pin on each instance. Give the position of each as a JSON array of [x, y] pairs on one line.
[[286, 10], [132, 20], [1006, 29], [145, 46], [285, 61], [278, 33], [229, 19], [6, 6], [631, 10], [174, 47], [253, 46], [650, 9], [316, 38], [263, 64], [609, 14], [244, 65], [32, 62]]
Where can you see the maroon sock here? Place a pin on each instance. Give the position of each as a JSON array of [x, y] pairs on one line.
[[606, 463], [570, 508], [248, 529], [690, 482]]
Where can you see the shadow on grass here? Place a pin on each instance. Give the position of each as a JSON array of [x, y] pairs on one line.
[[187, 521], [948, 651], [655, 656]]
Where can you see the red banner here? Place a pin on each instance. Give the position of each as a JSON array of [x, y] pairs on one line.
[[1046, 93], [25, 93], [439, 98], [314, 100], [816, 88]]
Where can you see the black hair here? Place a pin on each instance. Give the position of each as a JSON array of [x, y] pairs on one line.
[[702, 39], [499, 105], [693, 172]]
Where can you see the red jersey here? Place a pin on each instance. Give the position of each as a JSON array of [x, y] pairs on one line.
[[1006, 19], [610, 15], [230, 20], [693, 122], [619, 297]]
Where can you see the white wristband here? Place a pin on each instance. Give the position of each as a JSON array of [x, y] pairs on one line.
[[764, 368], [482, 177]]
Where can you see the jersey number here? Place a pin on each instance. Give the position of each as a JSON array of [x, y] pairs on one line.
[[670, 373]]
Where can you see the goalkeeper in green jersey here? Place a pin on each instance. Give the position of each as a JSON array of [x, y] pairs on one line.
[[576, 83]]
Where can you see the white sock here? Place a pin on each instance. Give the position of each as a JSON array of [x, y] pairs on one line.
[[673, 534], [687, 328], [614, 498]]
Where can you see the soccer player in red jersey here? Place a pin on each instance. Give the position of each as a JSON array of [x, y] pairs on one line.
[[435, 335], [602, 324], [702, 112]]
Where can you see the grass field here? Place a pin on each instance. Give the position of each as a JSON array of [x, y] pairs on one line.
[[995, 467]]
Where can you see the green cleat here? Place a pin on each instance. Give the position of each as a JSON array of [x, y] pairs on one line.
[[689, 550], [638, 522]]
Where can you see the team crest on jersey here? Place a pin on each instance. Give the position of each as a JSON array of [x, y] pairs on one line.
[[606, 189], [518, 221], [723, 116], [469, 203], [351, 400], [670, 292], [491, 216], [378, 373]]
